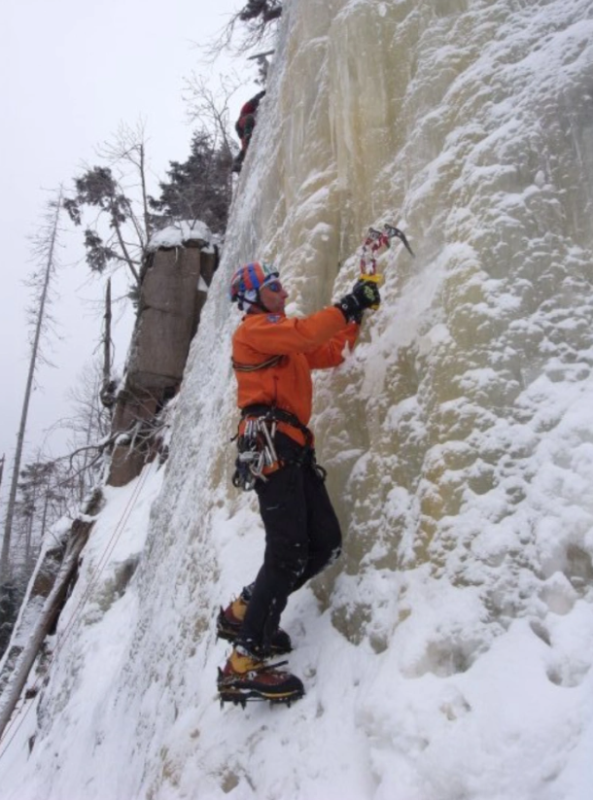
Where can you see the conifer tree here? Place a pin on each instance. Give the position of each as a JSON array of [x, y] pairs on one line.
[[199, 188], [41, 501], [268, 10], [121, 230]]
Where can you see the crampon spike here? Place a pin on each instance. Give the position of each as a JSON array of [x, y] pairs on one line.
[[241, 699]]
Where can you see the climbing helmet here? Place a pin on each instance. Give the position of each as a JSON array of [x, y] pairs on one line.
[[249, 279]]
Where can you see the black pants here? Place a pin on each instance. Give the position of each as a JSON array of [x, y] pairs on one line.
[[302, 537]]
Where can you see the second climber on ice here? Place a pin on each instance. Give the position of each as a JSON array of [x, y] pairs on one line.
[[245, 126]]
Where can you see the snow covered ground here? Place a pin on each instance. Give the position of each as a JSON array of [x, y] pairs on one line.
[[448, 655]]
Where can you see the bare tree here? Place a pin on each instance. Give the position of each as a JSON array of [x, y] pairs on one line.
[[108, 383], [129, 147], [210, 107], [45, 250], [253, 26], [89, 426]]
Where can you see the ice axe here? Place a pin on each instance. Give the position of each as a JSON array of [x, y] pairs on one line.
[[375, 241]]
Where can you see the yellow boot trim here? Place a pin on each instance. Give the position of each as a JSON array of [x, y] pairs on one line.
[[242, 664], [239, 609]]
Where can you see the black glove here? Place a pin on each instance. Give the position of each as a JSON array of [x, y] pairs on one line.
[[364, 294]]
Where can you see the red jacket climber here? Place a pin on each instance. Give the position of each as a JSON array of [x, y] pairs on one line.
[[244, 127], [273, 356]]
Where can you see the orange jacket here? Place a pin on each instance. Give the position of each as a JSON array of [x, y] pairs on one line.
[[315, 342]]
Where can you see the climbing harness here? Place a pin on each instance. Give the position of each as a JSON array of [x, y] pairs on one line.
[[257, 456]]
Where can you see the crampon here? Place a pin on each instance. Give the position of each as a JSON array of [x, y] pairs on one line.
[[240, 698], [261, 682]]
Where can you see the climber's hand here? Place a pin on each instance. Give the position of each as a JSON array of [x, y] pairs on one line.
[[365, 294]]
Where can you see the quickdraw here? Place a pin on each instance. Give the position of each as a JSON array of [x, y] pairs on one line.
[[256, 453]]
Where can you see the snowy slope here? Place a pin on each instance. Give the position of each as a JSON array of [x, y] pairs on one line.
[[448, 656]]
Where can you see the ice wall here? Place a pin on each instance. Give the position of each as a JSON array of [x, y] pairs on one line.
[[470, 125], [448, 655]]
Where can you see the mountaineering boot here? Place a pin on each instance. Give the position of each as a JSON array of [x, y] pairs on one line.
[[228, 625], [246, 677]]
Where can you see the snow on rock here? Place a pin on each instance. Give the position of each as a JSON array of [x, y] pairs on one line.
[[448, 655], [179, 233]]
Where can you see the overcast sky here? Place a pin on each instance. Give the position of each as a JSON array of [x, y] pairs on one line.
[[71, 72]]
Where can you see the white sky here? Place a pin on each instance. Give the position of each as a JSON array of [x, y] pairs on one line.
[[71, 72]]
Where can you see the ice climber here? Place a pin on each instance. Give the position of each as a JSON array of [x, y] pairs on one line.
[[273, 356], [245, 126]]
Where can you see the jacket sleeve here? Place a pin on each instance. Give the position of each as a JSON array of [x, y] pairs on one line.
[[331, 353], [273, 334]]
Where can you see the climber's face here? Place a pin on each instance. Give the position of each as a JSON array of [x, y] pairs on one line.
[[273, 297]]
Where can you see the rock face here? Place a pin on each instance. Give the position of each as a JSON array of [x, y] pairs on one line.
[[170, 306], [172, 294]]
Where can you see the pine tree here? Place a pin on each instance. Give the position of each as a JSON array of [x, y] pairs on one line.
[[199, 188], [121, 230], [41, 501]]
